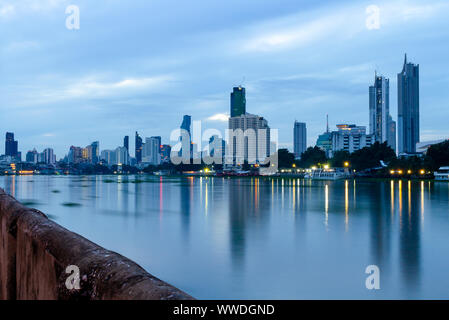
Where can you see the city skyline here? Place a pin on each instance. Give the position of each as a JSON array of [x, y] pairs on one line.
[[191, 70]]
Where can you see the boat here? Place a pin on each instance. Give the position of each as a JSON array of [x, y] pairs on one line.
[[327, 174], [442, 174]]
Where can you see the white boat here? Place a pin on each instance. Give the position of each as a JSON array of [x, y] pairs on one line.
[[327, 174], [442, 174]]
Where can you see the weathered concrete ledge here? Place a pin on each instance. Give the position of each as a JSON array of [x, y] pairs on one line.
[[35, 252]]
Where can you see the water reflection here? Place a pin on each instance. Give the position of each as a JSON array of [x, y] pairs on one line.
[[261, 237], [410, 241]]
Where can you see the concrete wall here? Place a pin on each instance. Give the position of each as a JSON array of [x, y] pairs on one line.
[[35, 252]]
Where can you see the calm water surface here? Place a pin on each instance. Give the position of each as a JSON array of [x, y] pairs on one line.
[[220, 238]]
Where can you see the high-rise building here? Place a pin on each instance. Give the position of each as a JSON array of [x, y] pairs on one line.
[[75, 154], [350, 138], [121, 156], [32, 156], [94, 157], [186, 138], [249, 140], [238, 101], [217, 149], [408, 107], [109, 156], [49, 156], [380, 121], [11, 145], [126, 143], [324, 141], [139, 147], [151, 151], [165, 152], [299, 138]]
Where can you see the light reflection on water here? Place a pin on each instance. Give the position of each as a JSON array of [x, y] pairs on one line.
[[261, 238]]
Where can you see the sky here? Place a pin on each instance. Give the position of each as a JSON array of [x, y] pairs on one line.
[[141, 65]]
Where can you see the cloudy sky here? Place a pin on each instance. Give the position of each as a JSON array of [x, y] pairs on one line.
[[142, 64]]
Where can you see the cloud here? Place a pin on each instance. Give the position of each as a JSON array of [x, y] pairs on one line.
[[221, 117], [91, 87], [6, 10], [340, 23]]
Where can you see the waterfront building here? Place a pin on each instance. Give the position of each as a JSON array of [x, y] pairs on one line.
[[249, 139], [126, 143], [186, 151], [151, 151], [48, 156], [350, 138], [165, 153], [299, 139], [138, 148], [238, 101], [121, 156], [75, 155], [94, 152], [109, 156], [32, 156], [324, 141], [408, 108], [217, 149], [382, 126], [11, 145]]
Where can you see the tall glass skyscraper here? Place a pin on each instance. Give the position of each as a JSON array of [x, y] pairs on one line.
[[139, 147], [408, 107], [11, 146], [381, 124], [299, 138], [126, 143], [238, 102], [186, 151]]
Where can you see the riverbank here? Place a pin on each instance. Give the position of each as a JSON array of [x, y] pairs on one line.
[[40, 260]]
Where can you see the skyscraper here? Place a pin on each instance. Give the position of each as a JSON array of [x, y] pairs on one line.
[[380, 121], [350, 138], [238, 102], [408, 107], [11, 146], [151, 151], [299, 138], [249, 140], [186, 141], [126, 143], [139, 148], [95, 149]]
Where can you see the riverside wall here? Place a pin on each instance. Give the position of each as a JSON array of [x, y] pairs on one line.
[[36, 254]]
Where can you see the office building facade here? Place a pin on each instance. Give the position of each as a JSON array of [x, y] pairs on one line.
[[238, 101], [380, 121], [299, 139], [408, 108]]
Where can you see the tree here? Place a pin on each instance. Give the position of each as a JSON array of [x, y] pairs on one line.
[[370, 157], [312, 157], [438, 155], [285, 158], [339, 159]]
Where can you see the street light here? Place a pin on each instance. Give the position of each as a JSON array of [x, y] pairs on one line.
[[346, 164]]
